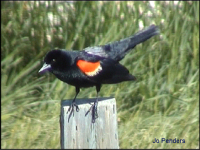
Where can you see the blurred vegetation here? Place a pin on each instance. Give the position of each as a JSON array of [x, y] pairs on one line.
[[162, 103]]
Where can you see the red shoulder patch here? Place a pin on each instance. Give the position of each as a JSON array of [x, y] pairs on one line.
[[89, 68]]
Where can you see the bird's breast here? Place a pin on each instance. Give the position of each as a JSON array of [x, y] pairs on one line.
[[75, 78]]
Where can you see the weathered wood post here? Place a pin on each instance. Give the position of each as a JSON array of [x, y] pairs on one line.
[[80, 132]]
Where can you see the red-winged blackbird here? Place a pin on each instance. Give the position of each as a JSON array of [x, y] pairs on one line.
[[94, 66]]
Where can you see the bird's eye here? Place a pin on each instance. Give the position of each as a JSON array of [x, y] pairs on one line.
[[53, 61]]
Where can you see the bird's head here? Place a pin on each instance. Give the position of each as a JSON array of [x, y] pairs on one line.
[[55, 60]]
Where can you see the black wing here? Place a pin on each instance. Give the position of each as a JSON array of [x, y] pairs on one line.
[[117, 50]]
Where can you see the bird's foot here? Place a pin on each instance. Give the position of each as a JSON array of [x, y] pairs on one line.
[[71, 109], [94, 112]]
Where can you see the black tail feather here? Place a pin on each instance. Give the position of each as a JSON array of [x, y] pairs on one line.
[[143, 36], [118, 49]]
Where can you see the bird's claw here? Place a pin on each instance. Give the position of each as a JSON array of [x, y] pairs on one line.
[[71, 109], [94, 112]]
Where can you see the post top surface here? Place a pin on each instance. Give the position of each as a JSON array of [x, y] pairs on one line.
[[80, 101]]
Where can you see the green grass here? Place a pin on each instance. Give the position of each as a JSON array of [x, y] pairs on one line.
[[162, 103]]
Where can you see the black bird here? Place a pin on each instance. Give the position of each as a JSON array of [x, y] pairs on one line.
[[94, 66]]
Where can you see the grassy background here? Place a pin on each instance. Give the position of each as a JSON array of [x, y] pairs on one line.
[[162, 103]]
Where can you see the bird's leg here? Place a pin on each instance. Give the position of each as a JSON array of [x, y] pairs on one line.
[[71, 108], [94, 106], [94, 110]]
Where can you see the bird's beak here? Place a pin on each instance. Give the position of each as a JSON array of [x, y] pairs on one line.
[[45, 68]]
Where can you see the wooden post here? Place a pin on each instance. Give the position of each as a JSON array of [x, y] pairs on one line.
[[81, 133]]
